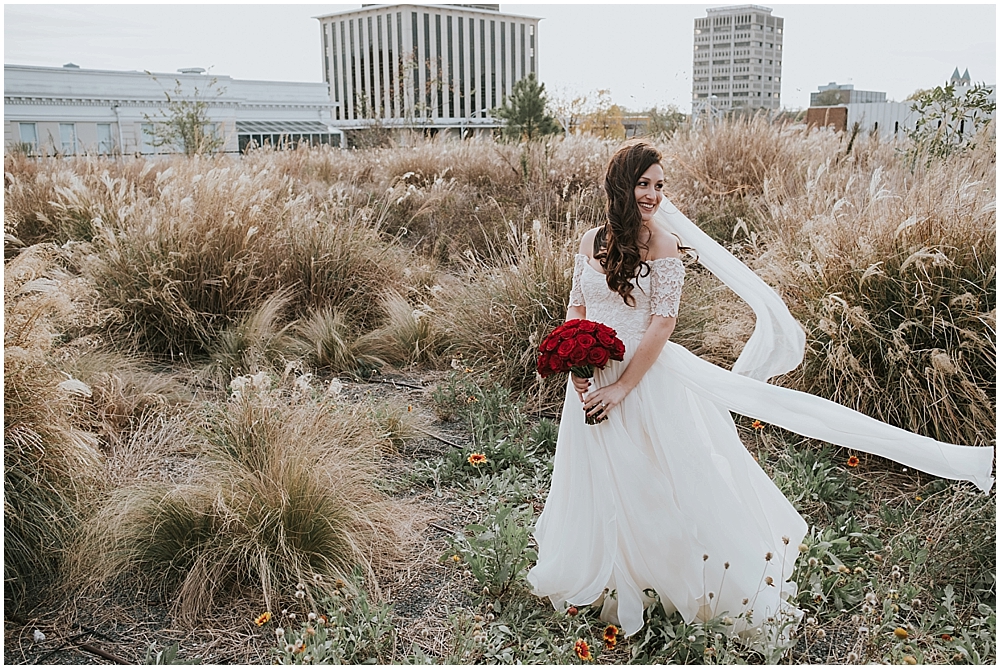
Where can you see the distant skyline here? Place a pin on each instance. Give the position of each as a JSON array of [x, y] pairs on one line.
[[641, 53]]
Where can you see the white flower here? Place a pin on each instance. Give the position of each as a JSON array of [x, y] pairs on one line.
[[289, 648], [311, 616], [300, 594], [335, 387], [692, 638], [728, 621], [39, 636], [280, 632]]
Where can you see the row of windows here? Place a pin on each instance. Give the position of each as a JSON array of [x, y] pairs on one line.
[[67, 138], [436, 66]]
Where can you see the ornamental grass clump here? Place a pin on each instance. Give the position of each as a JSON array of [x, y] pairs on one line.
[[893, 275], [283, 492], [49, 457], [220, 238], [500, 313]]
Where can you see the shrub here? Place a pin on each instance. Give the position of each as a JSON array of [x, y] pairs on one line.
[[284, 494]]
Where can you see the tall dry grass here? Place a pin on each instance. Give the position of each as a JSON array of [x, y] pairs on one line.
[[49, 456], [282, 492], [893, 274]]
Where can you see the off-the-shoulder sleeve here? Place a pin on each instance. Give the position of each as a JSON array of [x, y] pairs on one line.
[[576, 292], [666, 279]]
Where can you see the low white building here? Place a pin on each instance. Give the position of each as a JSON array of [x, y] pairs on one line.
[[71, 110]]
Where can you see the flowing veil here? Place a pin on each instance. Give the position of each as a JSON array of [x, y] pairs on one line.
[[777, 346]]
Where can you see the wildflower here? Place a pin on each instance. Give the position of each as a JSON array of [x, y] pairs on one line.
[[852, 657], [853, 461], [456, 558], [38, 636], [901, 633], [471, 399], [610, 637], [919, 498], [704, 558], [289, 648], [311, 616], [572, 611], [728, 621], [946, 637], [915, 603], [746, 600], [844, 569], [810, 621], [813, 562], [323, 619], [877, 557], [455, 364], [859, 570], [311, 631], [803, 548], [785, 540], [476, 459], [692, 639], [757, 425], [909, 659], [768, 556], [279, 632], [725, 565], [291, 616], [769, 580], [339, 584], [821, 633], [300, 594], [263, 618], [870, 597], [582, 650]]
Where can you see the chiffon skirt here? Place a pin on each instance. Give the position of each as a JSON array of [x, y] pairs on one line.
[[663, 496]]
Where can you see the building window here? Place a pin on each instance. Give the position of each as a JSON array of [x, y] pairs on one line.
[[146, 141], [461, 66], [29, 136], [105, 144], [67, 138]]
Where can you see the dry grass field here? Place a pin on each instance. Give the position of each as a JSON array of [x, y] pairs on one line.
[[244, 385]]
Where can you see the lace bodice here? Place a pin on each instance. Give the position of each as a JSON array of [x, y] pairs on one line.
[[658, 293]]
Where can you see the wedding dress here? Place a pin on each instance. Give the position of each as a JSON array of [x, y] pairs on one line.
[[662, 496]]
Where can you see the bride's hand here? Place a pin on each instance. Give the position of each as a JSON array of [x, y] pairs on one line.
[[580, 384], [599, 403]]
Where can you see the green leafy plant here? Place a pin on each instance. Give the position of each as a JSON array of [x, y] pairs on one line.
[[948, 123], [496, 549]]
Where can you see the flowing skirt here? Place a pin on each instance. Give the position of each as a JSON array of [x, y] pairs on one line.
[[663, 496]]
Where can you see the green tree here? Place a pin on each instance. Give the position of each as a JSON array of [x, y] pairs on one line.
[[524, 111], [830, 98], [948, 123], [184, 124], [665, 122]]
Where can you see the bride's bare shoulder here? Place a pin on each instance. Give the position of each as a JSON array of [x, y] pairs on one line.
[[662, 244], [587, 242]]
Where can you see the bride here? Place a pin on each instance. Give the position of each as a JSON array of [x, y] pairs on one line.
[[662, 497]]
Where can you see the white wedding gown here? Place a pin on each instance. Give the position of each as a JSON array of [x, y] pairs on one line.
[[663, 496]]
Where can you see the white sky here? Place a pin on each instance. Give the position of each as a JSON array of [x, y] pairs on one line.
[[641, 52]]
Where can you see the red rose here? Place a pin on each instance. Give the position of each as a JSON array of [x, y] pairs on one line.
[[606, 338], [543, 364], [565, 348], [598, 356], [568, 333], [585, 340], [550, 344], [556, 364], [574, 321], [588, 326], [619, 351], [578, 355]]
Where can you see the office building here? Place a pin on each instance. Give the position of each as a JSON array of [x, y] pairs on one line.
[[737, 60], [843, 94], [425, 66]]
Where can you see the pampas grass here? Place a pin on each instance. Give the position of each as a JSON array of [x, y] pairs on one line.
[[283, 494]]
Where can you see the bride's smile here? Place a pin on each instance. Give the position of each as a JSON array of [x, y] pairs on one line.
[[649, 192]]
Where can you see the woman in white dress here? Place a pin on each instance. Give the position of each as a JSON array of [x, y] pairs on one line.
[[662, 496]]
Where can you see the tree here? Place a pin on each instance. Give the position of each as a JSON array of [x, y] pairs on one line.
[[606, 119], [830, 98], [948, 123], [524, 111], [184, 124], [665, 122]]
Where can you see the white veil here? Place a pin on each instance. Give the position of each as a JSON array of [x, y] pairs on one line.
[[778, 342]]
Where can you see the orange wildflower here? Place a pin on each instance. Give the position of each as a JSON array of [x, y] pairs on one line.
[[757, 425], [477, 459], [901, 633], [946, 637], [583, 650], [853, 461], [572, 611], [263, 618], [610, 637]]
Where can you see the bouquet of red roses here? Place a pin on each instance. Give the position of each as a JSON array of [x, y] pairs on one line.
[[578, 346]]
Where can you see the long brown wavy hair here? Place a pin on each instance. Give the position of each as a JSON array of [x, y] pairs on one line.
[[617, 245]]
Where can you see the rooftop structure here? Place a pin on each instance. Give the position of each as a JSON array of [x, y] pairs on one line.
[[842, 94]]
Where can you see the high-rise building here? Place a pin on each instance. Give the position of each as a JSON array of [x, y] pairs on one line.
[[737, 59], [433, 66]]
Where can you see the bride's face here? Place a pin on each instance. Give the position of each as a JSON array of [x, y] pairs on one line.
[[649, 192]]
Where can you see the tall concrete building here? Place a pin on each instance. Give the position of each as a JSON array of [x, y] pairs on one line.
[[737, 60], [430, 66]]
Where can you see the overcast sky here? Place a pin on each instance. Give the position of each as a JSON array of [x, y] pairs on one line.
[[640, 52]]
